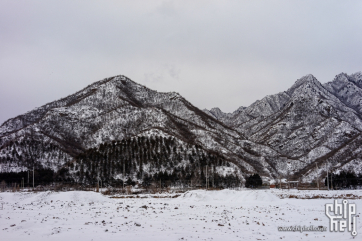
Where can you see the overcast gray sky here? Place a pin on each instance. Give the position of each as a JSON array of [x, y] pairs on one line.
[[214, 53]]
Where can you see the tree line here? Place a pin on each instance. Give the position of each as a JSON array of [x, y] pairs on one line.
[[145, 160], [343, 180]]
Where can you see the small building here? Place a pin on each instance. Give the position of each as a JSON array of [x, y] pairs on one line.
[[293, 184]]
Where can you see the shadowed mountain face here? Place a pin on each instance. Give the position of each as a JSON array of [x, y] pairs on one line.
[[285, 134]]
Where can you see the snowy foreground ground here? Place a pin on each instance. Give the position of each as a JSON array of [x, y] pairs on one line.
[[196, 215]]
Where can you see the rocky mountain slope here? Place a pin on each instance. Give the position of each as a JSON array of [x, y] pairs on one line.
[[115, 109], [290, 134], [309, 124]]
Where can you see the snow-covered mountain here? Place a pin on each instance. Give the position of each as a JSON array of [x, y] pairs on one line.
[[292, 133], [115, 109], [309, 123]]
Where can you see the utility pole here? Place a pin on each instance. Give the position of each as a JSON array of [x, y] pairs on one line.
[[124, 175], [212, 168], [332, 180], [327, 177], [28, 178], [33, 176], [331, 177], [317, 176], [206, 177], [97, 190]]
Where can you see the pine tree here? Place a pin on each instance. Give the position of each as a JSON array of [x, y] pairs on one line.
[[253, 181]]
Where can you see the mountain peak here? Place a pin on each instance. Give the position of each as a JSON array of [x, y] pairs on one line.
[[216, 109], [238, 110], [307, 80], [341, 77], [359, 73], [217, 113], [356, 78]]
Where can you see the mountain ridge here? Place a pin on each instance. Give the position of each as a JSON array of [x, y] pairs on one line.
[[280, 135]]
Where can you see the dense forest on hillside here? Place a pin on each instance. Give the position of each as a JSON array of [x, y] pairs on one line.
[[29, 152], [143, 160], [152, 159]]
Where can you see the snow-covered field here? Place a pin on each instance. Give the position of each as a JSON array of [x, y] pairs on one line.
[[196, 215]]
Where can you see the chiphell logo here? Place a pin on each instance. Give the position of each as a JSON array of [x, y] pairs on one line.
[[340, 216]]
